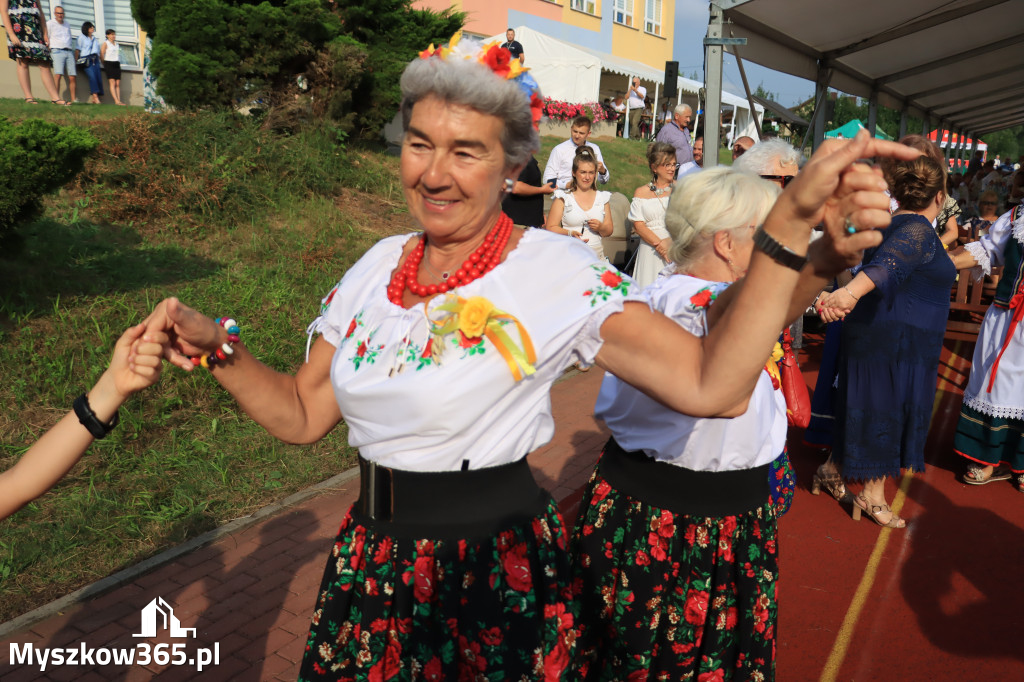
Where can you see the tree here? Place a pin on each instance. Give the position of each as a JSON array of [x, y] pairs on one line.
[[290, 54]]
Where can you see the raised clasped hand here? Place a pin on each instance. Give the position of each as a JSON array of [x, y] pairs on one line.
[[835, 190], [188, 332]]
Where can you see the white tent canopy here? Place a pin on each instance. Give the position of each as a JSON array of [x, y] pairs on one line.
[[563, 71], [572, 73]]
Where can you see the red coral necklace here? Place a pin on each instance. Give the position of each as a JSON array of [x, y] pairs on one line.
[[479, 263]]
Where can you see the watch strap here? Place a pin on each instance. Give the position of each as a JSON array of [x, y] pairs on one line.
[[90, 421], [782, 255]]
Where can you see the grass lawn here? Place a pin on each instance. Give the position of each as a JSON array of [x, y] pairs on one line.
[[233, 221]]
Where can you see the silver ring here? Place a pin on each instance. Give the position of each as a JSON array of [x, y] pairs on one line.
[[850, 227]]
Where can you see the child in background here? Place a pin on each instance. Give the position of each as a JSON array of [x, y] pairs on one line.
[[110, 55], [135, 365]]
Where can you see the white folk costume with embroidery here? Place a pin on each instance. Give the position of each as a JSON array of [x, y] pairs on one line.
[[1006, 397], [574, 218], [640, 423], [409, 407]]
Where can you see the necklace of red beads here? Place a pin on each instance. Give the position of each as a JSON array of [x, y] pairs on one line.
[[479, 263]]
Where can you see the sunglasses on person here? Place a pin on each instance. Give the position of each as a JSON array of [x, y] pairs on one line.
[[783, 179], [670, 165]]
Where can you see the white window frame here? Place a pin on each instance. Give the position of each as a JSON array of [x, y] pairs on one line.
[[622, 12], [130, 44], [585, 6], [652, 24]]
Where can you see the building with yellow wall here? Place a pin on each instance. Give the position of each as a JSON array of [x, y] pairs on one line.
[[638, 30]]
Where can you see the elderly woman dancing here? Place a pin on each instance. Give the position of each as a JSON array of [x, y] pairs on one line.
[[440, 349], [990, 432], [891, 342], [675, 552]]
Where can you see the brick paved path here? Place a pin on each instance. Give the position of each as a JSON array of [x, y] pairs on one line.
[[252, 592]]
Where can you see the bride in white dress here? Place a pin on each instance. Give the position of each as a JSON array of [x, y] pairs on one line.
[[581, 210], [648, 213]]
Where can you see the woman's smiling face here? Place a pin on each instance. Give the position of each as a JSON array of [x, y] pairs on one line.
[[453, 169]]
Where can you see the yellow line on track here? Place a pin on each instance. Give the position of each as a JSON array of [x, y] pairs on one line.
[[842, 644]]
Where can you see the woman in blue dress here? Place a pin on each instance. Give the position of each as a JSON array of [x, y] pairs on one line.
[[891, 343]]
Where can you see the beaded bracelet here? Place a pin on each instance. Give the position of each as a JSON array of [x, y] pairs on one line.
[[208, 360]]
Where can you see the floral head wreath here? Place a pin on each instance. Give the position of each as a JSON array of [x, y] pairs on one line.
[[497, 59]]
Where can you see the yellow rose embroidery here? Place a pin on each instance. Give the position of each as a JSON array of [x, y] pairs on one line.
[[473, 317]]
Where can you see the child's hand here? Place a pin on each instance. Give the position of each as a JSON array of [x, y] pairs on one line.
[[137, 359]]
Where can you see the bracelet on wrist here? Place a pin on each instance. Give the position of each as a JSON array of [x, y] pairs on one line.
[[88, 418], [226, 350], [855, 297]]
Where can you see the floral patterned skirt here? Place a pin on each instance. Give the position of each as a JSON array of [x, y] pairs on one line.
[[445, 606], [668, 596], [27, 25]]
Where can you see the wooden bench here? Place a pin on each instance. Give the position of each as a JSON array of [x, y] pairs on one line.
[[968, 304]]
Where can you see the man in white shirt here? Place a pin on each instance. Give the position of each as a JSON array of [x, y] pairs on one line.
[[61, 49], [636, 96], [559, 166]]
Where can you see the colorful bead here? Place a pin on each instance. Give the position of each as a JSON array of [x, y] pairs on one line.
[[205, 361], [209, 360], [227, 349]]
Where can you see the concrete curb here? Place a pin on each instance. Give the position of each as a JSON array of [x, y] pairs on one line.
[[131, 573]]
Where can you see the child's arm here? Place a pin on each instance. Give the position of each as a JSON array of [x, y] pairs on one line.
[[136, 364]]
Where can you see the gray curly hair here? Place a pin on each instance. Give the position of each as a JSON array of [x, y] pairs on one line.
[[760, 158], [466, 82]]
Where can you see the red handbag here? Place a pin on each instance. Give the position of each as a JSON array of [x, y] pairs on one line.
[[794, 388]]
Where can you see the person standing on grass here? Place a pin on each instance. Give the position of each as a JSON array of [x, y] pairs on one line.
[[110, 55], [135, 365], [635, 96], [559, 166], [677, 133], [27, 45], [87, 54], [62, 50]]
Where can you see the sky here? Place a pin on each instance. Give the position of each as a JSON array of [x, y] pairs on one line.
[[691, 27]]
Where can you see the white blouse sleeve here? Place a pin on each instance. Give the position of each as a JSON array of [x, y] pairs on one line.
[[636, 210], [602, 198], [988, 250]]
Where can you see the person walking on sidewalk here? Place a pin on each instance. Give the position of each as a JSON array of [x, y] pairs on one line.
[[440, 348]]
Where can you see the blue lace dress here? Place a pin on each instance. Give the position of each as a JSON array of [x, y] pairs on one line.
[[890, 351]]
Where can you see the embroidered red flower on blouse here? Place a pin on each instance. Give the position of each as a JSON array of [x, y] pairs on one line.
[[702, 299], [610, 278]]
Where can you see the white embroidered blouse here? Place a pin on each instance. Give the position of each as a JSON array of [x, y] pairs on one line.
[[407, 409], [640, 423]]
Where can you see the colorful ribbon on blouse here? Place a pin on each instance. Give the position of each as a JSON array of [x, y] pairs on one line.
[[1017, 306], [476, 317]]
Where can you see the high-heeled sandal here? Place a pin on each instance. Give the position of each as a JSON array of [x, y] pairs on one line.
[[830, 481], [860, 503]]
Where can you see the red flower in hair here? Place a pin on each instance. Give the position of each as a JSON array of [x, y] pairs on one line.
[[497, 60], [536, 109]]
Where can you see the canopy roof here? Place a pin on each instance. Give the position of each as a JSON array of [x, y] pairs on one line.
[[957, 61], [850, 129]]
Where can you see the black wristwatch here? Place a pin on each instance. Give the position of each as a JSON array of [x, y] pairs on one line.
[[782, 255], [90, 421]]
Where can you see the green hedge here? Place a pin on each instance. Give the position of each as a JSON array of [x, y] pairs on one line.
[[36, 157]]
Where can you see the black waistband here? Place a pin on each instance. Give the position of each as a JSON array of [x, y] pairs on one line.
[[436, 503], [684, 491]]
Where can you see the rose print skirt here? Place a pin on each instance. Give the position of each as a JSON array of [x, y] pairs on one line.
[[674, 572], [468, 580]]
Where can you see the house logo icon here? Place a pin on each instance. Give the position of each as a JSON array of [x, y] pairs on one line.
[[158, 614]]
